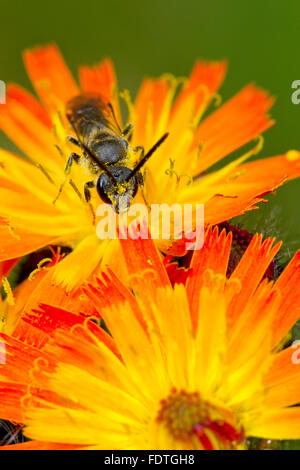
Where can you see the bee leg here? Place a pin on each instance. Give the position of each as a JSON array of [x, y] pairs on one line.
[[73, 140], [141, 181], [140, 147], [128, 129], [59, 151], [87, 195], [38, 165], [73, 185], [140, 178], [72, 157], [87, 186]]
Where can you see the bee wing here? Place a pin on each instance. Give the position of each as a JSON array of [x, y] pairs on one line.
[[93, 108]]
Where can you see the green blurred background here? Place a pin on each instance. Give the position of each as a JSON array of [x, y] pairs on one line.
[[259, 38]]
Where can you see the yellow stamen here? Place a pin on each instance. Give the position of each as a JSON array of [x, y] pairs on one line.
[[40, 267], [8, 291]]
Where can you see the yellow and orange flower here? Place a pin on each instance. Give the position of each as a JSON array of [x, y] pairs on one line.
[[196, 366], [36, 289], [175, 174]]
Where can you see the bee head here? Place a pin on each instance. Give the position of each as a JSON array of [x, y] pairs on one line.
[[120, 192]]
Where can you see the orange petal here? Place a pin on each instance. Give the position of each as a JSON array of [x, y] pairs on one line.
[[235, 123], [101, 79], [278, 424], [47, 292], [15, 242], [204, 80], [283, 379], [152, 105], [10, 398], [250, 271], [109, 291], [144, 264], [64, 347], [19, 94], [50, 76], [41, 290], [282, 367], [221, 208], [26, 123], [214, 255], [21, 295], [37, 326], [20, 358], [40, 445], [288, 284], [256, 318], [266, 174], [248, 183], [87, 254]]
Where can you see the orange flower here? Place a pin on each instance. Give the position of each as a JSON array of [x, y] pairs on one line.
[[34, 290], [175, 174], [189, 367]]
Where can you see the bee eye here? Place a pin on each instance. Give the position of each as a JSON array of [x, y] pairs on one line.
[[104, 187], [121, 195]]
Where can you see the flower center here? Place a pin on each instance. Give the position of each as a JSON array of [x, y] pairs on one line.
[[187, 415]]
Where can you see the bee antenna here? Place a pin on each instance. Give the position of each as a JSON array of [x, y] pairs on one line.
[[147, 156], [87, 150]]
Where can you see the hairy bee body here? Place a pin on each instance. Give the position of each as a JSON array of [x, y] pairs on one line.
[[92, 121], [104, 150]]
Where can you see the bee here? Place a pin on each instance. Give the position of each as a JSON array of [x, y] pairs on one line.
[[105, 151]]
